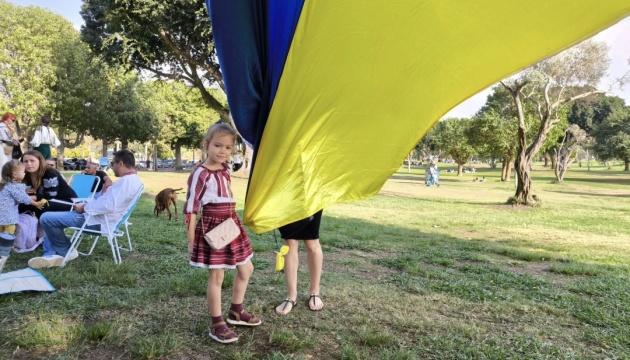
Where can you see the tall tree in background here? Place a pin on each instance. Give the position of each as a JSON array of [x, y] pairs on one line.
[[29, 41], [182, 116], [451, 137], [79, 86], [493, 136], [547, 87], [124, 114], [565, 152], [613, 137], [588, 113], [169, 39]]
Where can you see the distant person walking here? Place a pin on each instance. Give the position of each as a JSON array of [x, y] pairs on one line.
[[432, 175], [7, 139], [45, 138]]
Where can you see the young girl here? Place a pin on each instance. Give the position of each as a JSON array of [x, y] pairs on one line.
[[12, 193], [209, 191]]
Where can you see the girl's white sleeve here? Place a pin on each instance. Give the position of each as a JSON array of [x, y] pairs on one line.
[[37, 138], [54, 141]]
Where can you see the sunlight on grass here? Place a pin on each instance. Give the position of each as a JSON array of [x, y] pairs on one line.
[[47, 332], [412, 273]]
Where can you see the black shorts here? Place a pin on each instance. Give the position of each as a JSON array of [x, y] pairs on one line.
[[305, 229]]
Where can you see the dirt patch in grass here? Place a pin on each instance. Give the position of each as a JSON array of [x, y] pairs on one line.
[[360, 264], [531, 268], [100, 351], [540, 270], [508, 207]]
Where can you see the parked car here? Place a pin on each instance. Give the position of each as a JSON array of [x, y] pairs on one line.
[[74, 164], [165, 164], [68, 164]]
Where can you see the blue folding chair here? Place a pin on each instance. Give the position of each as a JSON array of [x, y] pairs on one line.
[[84, 186], [103, 162], [112, 234]]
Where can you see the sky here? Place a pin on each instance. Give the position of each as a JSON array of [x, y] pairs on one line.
[[66, 8], [616, 37]]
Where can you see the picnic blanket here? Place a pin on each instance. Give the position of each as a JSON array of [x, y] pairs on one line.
[[24, 280]]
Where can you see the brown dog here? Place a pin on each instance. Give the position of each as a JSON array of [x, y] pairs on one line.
[[163, 201]]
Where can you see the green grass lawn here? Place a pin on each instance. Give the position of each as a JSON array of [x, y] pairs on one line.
[[412, 273]]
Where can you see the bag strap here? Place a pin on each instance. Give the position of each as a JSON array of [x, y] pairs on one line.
[[203, 193], [201, 217]]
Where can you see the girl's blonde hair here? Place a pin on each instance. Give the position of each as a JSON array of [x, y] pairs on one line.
[[218, 128], [7, 172]]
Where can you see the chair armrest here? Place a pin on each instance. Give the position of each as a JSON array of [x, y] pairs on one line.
[[62, 202]]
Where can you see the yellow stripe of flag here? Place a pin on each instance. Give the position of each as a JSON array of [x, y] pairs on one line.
[[365, 80]]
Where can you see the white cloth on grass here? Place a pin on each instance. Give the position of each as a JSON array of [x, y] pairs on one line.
[[24, 280]]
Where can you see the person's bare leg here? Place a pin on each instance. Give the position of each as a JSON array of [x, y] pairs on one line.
[[291, 264], [243, 273], [215, 279], [315, 259]]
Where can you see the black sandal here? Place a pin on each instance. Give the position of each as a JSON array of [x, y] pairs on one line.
[[308, 302], [284, 304]]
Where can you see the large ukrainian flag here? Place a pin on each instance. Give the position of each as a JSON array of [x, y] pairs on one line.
[[333, 94]]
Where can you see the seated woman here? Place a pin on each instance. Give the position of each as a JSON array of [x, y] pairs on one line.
[[45, 183]]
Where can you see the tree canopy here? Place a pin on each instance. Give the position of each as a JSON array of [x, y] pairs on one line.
[[30, 43], [613, 137], [169, 39], [450, 136], [182, 115]]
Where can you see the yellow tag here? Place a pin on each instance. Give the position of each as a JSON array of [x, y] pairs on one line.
[[284, 249]]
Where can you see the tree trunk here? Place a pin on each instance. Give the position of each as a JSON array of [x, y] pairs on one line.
[[506, 168], [460, 168], [155, 157], [62, 146], [523, 157], [104, 151], [178, 157], [553, 162], [546, 157], [61, 153], [559, 171], [564, 158], [627, 165], [124, 144], [523, 195]]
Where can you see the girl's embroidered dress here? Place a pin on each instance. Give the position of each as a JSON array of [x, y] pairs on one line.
[[210, 190]]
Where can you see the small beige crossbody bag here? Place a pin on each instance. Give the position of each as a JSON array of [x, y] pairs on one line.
[[223, 234]]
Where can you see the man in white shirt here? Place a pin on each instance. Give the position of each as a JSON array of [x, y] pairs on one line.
[[45, 138], [112, 203]]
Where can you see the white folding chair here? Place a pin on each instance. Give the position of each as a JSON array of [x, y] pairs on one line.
[[112, 234]]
